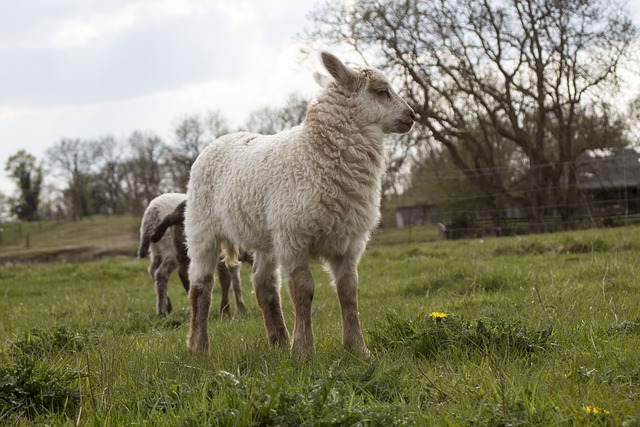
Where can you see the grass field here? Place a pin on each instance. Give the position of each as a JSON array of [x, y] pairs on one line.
[[539, 330]]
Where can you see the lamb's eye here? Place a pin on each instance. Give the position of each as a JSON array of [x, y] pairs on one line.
[[383, 92]]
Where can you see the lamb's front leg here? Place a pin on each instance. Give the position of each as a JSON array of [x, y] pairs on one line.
[[161, 283], [345, 274], [301, 289]]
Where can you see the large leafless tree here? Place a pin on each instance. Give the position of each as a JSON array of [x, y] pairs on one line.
[[515, 88]]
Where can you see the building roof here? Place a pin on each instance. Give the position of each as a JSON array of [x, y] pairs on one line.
[[609, 168]]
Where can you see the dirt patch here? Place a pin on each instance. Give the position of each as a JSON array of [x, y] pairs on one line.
[[76, 254]]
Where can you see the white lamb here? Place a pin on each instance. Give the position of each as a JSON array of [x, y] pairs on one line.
[[309, 192]]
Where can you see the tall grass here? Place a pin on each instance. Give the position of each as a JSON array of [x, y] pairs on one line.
[[539, 330]]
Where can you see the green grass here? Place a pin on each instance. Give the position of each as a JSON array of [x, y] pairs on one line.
[[538, 328]]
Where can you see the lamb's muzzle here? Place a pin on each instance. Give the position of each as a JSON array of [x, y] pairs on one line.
[[405, 124]]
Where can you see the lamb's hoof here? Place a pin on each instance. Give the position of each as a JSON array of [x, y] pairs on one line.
[[359, 351], [198, 350], [243, 311], [197, 346], [280, 341], [302, 354], [225, 309]]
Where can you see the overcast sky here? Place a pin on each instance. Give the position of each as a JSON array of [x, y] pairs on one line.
[[91, 68]]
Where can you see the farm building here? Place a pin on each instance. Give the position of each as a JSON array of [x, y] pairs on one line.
[[412, 216], [608, 179], [611, 179]]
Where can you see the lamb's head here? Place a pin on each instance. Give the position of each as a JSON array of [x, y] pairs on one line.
[[377, 103]]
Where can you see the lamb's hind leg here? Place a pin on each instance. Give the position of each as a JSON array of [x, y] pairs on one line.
[[161, 283], [201, 283], [345, 274], [301, 288], [267, 288], [234, 276], [225, 284]]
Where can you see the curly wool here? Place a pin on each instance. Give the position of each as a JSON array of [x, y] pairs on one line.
[[314, 188], [155, 212]]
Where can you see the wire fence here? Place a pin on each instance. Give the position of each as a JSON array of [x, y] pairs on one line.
[[480, 228], [605, 193]]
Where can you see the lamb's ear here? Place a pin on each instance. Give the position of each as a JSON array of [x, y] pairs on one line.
[[344, 75], [321, 79]]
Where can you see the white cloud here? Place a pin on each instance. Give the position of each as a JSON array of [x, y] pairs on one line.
[[86, 69], [94, 23], [82, 31]]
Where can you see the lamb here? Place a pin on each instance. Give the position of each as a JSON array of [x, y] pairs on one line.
[[309, 192], [162, 252], [229, 275]]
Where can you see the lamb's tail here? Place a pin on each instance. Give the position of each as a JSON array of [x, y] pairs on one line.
[[230, 254], [143, 250], [174, 218], [149, 221]]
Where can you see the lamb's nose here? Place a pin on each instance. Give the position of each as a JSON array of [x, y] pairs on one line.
[[412, 114]]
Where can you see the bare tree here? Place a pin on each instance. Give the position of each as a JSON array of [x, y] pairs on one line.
[[192, 134], [143, 173], [27, 173], [74, 161], [270, 120], [502, 85], [108, 194]]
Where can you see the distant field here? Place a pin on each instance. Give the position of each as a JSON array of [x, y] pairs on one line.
[[50, 240], [539, 330]]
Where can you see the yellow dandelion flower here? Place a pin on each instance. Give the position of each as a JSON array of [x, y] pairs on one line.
[[438, 316], [595, 410]]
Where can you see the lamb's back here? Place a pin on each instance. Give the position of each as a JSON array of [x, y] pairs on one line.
[[261, 190], [155, 212]]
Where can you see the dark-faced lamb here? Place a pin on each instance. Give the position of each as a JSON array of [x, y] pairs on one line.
[[309, 192], [229, 276], [162, 252]]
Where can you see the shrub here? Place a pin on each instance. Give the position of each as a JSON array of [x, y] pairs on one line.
[[59, 338], [29, 388]]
